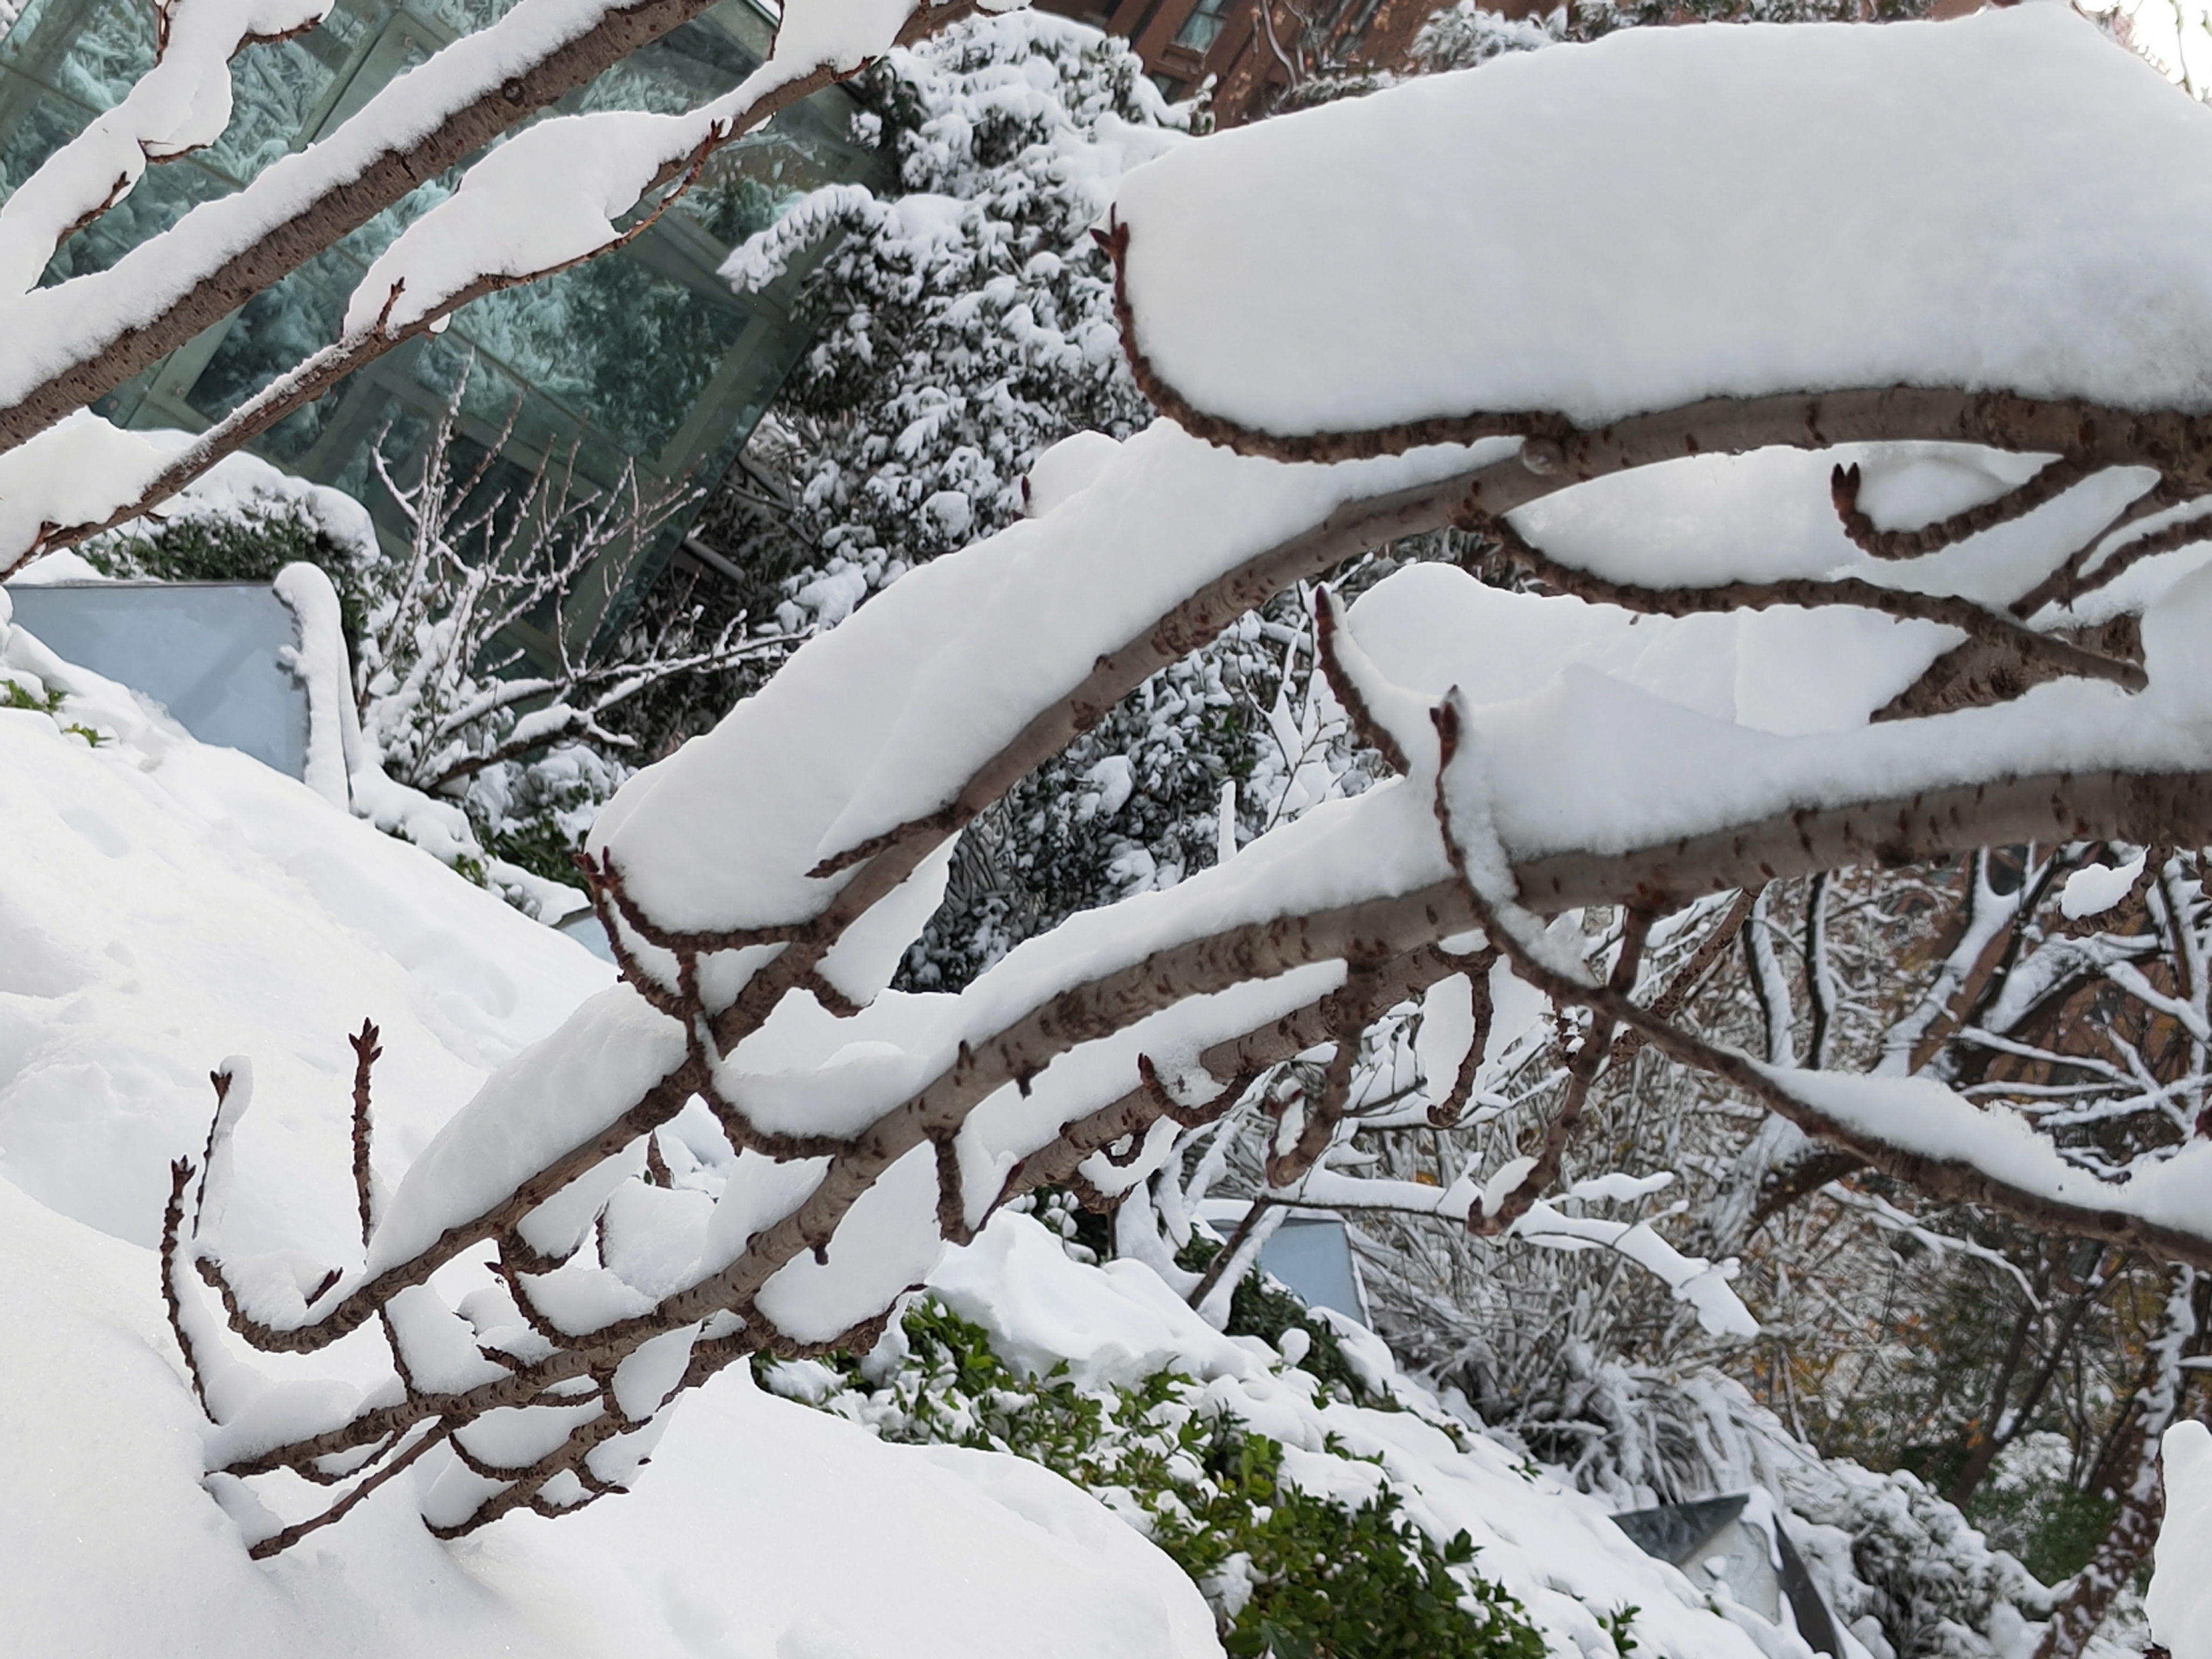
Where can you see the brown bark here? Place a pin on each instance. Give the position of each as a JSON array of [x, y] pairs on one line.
[[2031, 656]]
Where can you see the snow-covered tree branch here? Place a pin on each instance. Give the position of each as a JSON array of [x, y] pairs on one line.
[[1776, 497]]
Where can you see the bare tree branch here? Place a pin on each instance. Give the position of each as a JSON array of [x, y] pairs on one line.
[[2022, 644]]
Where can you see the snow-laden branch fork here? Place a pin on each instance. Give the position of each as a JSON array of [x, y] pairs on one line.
[[752, 1144]]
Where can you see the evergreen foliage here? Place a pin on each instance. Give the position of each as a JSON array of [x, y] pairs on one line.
[[1264, 1307], [250, 544], [966, 325], [963, 328], [1289, 1574]]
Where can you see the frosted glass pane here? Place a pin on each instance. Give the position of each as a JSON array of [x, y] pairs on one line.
[[1313, 1255], [207, 652]]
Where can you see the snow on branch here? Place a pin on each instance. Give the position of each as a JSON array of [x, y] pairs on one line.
[[182, 104], [1816, 250], [546, 1288], [758, 926]]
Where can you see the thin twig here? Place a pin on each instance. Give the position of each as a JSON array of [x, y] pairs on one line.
[[366, 1054]]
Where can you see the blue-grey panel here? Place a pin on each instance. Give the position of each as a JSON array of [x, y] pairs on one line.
[[584, 927], [208, 652], [1313, 1257]]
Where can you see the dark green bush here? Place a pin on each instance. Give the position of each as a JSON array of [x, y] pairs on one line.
[[1289, 1574]]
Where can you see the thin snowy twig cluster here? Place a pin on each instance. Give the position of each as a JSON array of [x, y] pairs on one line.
[[440, 686]]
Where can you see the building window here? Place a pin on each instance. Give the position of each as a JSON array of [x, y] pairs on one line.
[[1203, 27], [644, 356]]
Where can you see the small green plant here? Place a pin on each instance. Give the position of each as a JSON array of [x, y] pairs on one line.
[[1616, 1626], [537, 844], [2053, 1527], [1290, 1575], [21, 696], [91, 736], [1262, 1308]]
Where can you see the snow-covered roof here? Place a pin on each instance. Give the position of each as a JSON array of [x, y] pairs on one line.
[[1672, 215]]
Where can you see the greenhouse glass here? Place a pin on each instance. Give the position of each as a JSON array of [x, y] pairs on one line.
[[642, 356]]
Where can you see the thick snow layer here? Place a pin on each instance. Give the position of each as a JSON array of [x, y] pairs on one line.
[[1768, 516], [319, 663], [1430, 627], [77, 471], [2179, 1601], [169, 904], [1714, 721], [557, 1094], [1753, 209], [762, 1530], [880, 722]]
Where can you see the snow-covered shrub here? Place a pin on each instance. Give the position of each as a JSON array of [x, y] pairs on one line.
[[1926, 1580], [1903, 1570], [242, 529], [492, 754], [24, 692], [2034, 1509], [963, 328], [1465, 35], [1288, 1571], [964, 325]]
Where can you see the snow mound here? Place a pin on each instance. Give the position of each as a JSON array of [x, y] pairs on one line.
[[171, 903], [2179, 1601]]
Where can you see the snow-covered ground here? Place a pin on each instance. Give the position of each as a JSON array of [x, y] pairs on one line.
[[166, 906]]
